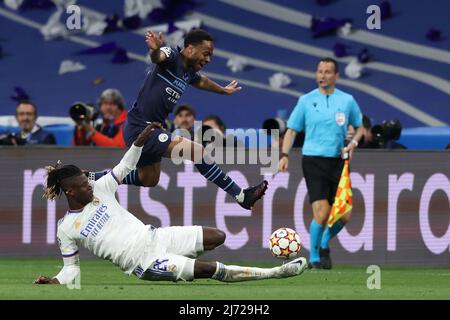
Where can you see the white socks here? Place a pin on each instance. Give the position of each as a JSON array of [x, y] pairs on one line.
[[237, 273]]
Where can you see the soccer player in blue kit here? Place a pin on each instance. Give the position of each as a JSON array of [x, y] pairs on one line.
[[173, 70]]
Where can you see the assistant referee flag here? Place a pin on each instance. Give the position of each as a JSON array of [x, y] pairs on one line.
[[343, 201]]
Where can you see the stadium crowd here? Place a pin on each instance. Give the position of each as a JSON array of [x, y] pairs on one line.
[[101, 125]]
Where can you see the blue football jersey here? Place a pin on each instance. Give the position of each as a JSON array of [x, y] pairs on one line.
[[162, 88]]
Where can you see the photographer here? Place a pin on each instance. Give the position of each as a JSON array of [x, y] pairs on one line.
[[387, 133], [105, 132], [30, 132], [380, 136]]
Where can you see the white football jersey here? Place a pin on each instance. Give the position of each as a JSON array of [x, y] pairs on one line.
[[104, 227]]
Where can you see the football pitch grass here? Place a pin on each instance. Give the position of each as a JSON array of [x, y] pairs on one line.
[[102, 280]]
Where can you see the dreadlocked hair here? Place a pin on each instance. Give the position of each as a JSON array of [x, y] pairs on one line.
[[55, 174]]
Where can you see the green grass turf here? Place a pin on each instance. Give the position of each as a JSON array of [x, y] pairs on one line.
[[102, 280]]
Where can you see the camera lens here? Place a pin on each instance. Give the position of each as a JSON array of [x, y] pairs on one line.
[[80, 111], [274, 124]]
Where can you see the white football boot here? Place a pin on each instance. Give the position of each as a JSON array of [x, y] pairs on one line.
[[291, 268]]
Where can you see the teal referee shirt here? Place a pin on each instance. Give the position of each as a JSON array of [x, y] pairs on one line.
[[325, 120]]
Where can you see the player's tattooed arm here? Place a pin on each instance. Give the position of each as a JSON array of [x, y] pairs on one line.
[[207, 84], [46, 280], [154, 43]]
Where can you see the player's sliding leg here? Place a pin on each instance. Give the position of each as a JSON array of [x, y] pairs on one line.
[[232, 273], [183, 244], [212, 238], [321, 211], [328, 234], [171, 267], [188, 150]]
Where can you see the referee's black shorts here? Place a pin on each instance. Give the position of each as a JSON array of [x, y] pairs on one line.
[[322, 177]]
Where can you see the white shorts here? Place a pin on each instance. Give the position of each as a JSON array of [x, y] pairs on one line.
[[171, 253]]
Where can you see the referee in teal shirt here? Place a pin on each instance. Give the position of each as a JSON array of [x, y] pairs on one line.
[[324, 115]]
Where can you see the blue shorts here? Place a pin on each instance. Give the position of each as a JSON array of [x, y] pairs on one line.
[[154, 147]]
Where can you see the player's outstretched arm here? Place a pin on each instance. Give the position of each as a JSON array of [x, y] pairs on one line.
[[154, 43], [46, 280], [207, 84], [68, 273]]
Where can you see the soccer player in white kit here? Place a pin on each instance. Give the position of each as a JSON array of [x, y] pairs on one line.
[[96, 221]]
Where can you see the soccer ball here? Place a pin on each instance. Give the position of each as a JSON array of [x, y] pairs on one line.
[[285, 243]]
